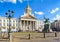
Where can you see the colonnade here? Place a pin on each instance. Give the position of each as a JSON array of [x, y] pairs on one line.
[[26, 25]]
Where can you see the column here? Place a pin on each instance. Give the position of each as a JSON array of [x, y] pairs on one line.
[[49, 27], [33, 25], [21, 25], [27, 26], [55, 24], [24, 26], [30, 26]]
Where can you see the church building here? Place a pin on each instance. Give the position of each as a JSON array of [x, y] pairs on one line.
[[27, 21]]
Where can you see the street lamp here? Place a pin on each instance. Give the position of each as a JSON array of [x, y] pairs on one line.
[[9, 14]]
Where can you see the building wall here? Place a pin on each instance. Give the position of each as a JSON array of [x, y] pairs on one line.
[[14, 23], [4, 23], [39, 25], [55, 24]]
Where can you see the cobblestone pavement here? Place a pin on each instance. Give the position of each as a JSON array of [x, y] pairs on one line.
[[44, 40], [47, 39], [4, 41], [36, 40]]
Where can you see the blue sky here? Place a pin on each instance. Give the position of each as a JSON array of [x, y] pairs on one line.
[[40, 8]]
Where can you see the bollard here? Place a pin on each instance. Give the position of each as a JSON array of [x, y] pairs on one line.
[[29, 36], [44, 34], [55, 34]]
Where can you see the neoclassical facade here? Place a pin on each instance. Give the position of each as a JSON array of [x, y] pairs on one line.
[[39, 25], [27, 21], [55, 24], [4, 24]]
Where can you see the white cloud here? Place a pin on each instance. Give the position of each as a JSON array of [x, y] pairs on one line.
[[21, 1], [40, 13], [57, 17], [51, 21], [13, 1], [54, 10]]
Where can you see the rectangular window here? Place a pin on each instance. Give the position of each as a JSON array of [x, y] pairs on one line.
[[4, 24], [0, 20], [7, 20], [4, 20], [0, 24], [13, 24], [16, 24], [16, 20], [13, 21], [7, 24]]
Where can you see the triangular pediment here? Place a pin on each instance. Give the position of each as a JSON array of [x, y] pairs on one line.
[[28, 17]]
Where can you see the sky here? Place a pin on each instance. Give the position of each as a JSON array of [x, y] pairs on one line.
[[40, 8]]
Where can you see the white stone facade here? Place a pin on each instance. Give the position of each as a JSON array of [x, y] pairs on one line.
[[4, 23], [55, 24], [26, 22], [39, 25]]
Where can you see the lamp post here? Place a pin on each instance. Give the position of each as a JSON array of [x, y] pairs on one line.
[[9, 14]]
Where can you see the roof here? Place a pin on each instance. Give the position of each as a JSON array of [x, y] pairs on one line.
[[28, 17]]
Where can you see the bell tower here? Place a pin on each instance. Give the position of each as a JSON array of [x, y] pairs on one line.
[[28, 10]]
